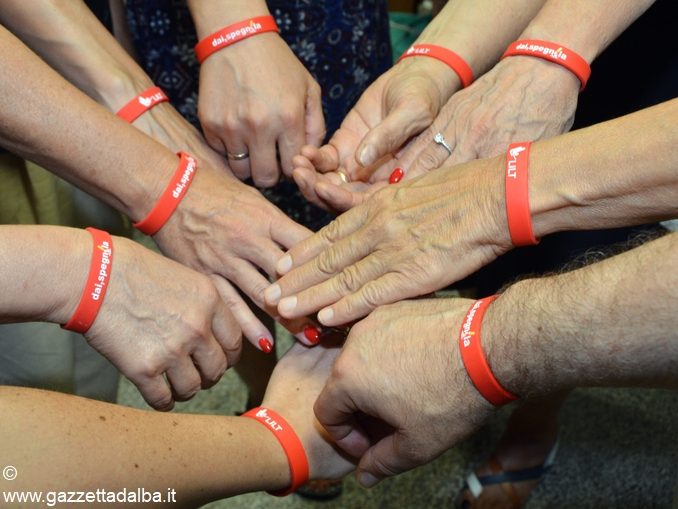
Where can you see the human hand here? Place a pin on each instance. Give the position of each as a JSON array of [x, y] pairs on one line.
[[227, 229], [294, 386], [166, 125], [160, 319], [407, 240], [398, 105], [520, 99], [400, 366], [256, 97]]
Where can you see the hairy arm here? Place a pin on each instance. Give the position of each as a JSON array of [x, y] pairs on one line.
[[611, 323]]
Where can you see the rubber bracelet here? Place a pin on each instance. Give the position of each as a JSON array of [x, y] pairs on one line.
[[452, 59], [517, 195], [232, 34], [294, 449], [141, 104], [171, 196], [97, 283], [474, 359], [552, 52]]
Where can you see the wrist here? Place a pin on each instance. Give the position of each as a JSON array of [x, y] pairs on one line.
[[270, 461], [212, 15], [117, 87], [446, 80], [73, 253]]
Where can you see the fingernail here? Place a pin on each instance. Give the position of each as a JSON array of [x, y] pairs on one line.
[[312, 334], [367, 480], [396, 176], [367, 156], [284, 264], [272, 294], [287, 304], [325, 315], [265, 345]]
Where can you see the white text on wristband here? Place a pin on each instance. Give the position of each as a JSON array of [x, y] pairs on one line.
[[294, 449], [171, 196], [474, 359], [232, 34], [141, 104], [97, 283], [452, 59], [552, 52], [517, 195]]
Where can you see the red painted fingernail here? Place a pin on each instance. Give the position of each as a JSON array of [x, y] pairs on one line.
[[265, 345], [312, 334], [396, 176]]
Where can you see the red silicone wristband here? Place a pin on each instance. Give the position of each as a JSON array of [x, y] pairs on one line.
[[474, 359], [171, 196], [97, 283], [452, 59], [552, 52], [141, 104], [232, 34], [517, 195], [294, 449]]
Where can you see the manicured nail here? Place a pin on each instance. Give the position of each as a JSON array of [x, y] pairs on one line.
[[287, 304], [367, 480], [272, 294], [396, 176], [265, 345], [325, 315], [312, 334], [284, 264], [367, 156]]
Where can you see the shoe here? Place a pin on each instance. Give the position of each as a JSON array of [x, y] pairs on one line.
[[475, 484]]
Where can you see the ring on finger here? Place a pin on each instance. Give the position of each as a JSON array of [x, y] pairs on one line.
[[439, 138], [237, 156]]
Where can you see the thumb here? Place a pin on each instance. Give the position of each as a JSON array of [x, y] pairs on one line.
[[382, 460], [408, 117]]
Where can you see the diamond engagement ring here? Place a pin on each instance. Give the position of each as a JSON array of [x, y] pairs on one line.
[[237, 157], [440, 140]]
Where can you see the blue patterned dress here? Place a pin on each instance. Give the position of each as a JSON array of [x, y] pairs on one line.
[[344, 44]]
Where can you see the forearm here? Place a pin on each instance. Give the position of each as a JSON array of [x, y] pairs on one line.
[[478, 31], [583, 26], [70, 38], [211, 15], [46, 120], [74, 444], [616, 173], [43, 270], [611, 323]]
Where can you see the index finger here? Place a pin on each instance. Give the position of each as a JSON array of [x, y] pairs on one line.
[[311, 258]]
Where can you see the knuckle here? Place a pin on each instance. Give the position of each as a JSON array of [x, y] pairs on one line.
[[290, 116], [327, 262], [427, 160], [331, 232], [160, 401], [349, 279], [372, 295]]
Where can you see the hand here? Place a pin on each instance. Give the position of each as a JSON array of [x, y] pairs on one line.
[[294, 386], [227, 229], [398, 105], [400, 366], [256, 97], [166, 125], [407, 240], [161, 319], [520, 99]]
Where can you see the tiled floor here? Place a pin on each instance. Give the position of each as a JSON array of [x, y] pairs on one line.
[[618, 450]]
